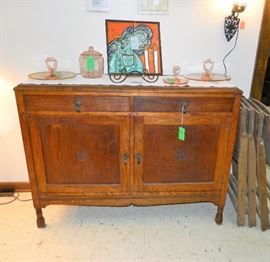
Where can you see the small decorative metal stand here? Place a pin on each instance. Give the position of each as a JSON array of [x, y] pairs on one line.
[[119, 78]]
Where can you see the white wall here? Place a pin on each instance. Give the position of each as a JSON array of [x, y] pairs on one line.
[[31, 30]]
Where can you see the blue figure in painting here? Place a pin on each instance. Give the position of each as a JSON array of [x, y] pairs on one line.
[[124, 52]]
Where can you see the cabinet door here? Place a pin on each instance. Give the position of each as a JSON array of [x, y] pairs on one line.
[[80, 153], [163, 163]]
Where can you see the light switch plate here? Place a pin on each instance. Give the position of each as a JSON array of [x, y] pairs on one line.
[[153, 6], [97, 5]]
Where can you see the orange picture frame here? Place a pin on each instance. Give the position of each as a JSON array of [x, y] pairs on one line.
[[133, 47]]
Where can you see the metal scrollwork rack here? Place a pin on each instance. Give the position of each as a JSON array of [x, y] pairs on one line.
[[119, 78]]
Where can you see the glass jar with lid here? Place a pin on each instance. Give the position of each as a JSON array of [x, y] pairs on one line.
[[91, 63]]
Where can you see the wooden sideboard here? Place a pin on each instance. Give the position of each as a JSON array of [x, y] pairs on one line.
[[118, 145]]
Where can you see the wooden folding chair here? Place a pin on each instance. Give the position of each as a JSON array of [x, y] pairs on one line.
[[251, 166], [237, 181], [261, 164]]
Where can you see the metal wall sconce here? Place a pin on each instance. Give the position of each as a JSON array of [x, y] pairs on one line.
[[231, 27], [231, 24]]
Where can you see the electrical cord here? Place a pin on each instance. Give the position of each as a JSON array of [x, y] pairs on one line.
[[24, 200], [14, 198], [235, 43]]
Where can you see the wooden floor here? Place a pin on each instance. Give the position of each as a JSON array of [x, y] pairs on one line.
[[159, 234]]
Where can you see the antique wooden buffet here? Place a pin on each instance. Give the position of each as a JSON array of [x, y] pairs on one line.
[[111, 145]]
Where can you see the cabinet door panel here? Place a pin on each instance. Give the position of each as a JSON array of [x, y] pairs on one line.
[[84, 154], [168, 164], [169, 160], [76, 153]]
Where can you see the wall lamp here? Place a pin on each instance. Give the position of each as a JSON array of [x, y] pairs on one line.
[[231, 24], [231, 27]]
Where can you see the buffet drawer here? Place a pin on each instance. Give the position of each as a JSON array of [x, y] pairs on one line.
[[175, 104], [76, 103]]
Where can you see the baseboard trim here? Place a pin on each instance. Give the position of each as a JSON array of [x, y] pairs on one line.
[[15, 186]]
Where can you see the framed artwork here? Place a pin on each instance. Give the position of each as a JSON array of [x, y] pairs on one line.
[[133, 47], [154, 7]]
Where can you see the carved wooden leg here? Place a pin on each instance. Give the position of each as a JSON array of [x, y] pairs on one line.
[[40, 218], [219, 215]]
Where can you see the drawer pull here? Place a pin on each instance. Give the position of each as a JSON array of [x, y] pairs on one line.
[[138, 158], [183, 106], [125, 158], [77, 105]]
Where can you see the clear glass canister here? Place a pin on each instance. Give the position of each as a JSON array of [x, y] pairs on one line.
[[91, 63]]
